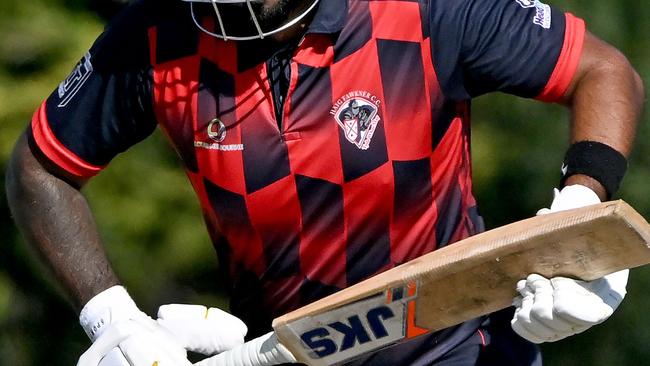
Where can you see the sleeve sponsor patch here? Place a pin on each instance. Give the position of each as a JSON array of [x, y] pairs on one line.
[[542, 15], [73, 83]]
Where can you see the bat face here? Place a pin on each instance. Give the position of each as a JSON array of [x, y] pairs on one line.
[[369, 324], [463, 281]]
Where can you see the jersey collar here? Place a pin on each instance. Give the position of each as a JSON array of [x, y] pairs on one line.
[[330, 17]]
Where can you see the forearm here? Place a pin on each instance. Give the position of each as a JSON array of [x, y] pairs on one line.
[[606, 102], [55, 218]]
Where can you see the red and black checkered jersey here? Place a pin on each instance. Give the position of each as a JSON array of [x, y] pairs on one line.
[[367, 163]]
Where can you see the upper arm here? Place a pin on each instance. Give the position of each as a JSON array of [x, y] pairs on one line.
[[599, 56], [103, 107], [521, 47], [28, 166]]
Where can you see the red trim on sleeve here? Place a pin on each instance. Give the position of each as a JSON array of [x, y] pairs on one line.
[[567, 63], [56, 151]]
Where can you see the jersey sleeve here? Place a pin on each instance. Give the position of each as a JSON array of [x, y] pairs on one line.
[[521, 47], [105, 105]]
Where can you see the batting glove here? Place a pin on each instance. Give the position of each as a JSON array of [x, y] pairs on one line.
[[548, 310], [123, 335]]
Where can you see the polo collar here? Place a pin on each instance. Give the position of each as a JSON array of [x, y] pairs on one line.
[[330, 17]]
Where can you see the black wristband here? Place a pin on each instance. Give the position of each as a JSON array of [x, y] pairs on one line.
[[596, 160]]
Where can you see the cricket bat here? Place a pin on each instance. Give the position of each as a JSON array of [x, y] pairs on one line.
[[467, 279]]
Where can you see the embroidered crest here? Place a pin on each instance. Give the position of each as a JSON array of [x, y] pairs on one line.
[[357, 113]]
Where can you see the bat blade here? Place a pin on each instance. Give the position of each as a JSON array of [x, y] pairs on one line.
[[473, 277]]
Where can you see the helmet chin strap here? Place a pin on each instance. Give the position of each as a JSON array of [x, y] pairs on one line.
[[261, 34]]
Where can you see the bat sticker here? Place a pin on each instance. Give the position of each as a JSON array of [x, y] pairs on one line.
[[352, 330]]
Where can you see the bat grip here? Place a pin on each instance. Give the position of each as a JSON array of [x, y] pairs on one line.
[[262, 351]]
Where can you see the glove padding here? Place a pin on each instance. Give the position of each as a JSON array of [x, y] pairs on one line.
[[136, 342], [570, 197], [125, 336], [207, 331], [178, 328], [548, 310]]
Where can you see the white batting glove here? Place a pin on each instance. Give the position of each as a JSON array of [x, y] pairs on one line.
[[125, 336], [570, 197], [548, 310], [135, 343], [207, 331]]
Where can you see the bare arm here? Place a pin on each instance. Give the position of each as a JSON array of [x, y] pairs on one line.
[[606, 100], [55, 218]]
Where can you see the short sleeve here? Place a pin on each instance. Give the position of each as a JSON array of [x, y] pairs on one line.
[[105, 105], [522, 47]]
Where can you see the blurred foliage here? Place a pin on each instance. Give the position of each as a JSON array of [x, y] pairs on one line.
[[153, 228]]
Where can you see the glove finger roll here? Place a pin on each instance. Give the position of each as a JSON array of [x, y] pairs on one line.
[[114, 358], [110, 339], [542, 313], [143, 351], [202, 330]]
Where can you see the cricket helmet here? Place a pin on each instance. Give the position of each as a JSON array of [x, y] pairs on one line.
[[256, 32]]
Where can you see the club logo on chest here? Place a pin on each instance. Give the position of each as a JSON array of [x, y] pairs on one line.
[[357, 113]]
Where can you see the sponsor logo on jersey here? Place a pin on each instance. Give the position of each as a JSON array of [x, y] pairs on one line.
[[527, 3], [217, 132], [542, 15], [357, 113], [347, 332], [73, 83]]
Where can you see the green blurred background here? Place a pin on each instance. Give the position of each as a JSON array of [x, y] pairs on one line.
[[153, 228]]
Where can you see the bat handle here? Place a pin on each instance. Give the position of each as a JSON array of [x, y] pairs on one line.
[[262, 351]]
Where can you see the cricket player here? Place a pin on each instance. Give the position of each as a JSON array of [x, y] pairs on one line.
[[303, 197]]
